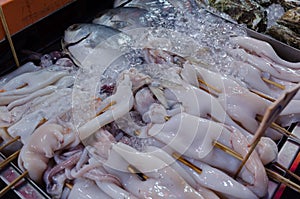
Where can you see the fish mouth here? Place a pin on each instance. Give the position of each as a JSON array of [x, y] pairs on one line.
[[66, 45]]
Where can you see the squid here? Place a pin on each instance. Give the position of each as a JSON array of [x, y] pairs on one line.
[[273, 69], [210, 178], [41, 146], [199, 103], [117, 104], [162, 181], [194, 137], [262, 49], [86, 189], [26, 68], [238, 101], [30, 82], [30, 115]]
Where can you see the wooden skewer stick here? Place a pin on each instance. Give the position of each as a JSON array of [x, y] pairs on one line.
[[9, 143], [9, 159], [287, 171], [228, 150], [42, 121], [22, 86], [283, 180], [137, 172], [282, 87], [106, 108], [187, 163], [6, 29], [279, 128], [271, 114], [262, 95], [167, 118], [209, 86], [271, 174], [69, 186], [13, 183]]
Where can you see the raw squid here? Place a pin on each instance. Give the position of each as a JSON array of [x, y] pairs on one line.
[[119, 103], [194, 137], [26, 68], [41, 146], [262, 49], [86, 189], [29, 116], [237, 101], [273, 69], [220, 182], [162, 182], [30, 82]]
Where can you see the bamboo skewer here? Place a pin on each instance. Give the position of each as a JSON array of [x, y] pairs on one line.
[[42, 121], [6, 29], [271, 174], [186, 162], [271, 114], [13, 183], [279, 128], [262, 95], [283, 180], [9, 159], [228, 150], [287, 171], [106, 108], [10, 142], [209, 86], [69, 186], [22, 86], [282, 87], [137, 172]]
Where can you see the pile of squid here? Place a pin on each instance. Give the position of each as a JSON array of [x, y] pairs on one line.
[[137, 100]]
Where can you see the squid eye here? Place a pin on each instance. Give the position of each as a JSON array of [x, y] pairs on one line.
[[74, 27]]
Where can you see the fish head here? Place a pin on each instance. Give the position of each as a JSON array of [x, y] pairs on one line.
[[76, 32]]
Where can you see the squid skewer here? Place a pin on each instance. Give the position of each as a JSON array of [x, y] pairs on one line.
[[262, 95], [271, 174], [270, 115], [7, 161], [258, 117], [280, 129], [137, 172], [280, 86], [69, 186]]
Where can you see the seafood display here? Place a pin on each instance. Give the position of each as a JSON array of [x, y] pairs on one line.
[[140, 100]]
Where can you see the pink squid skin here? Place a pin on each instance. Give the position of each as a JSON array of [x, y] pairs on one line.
[[66, 164]]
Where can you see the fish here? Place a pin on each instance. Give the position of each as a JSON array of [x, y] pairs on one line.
[[123, 18], [84, 40], [119, 3]]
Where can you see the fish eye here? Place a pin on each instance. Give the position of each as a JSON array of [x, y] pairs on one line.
[[74, 27]]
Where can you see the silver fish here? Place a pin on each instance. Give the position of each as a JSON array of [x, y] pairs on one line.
[[124, 18], [118, 3], [82, 40]]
